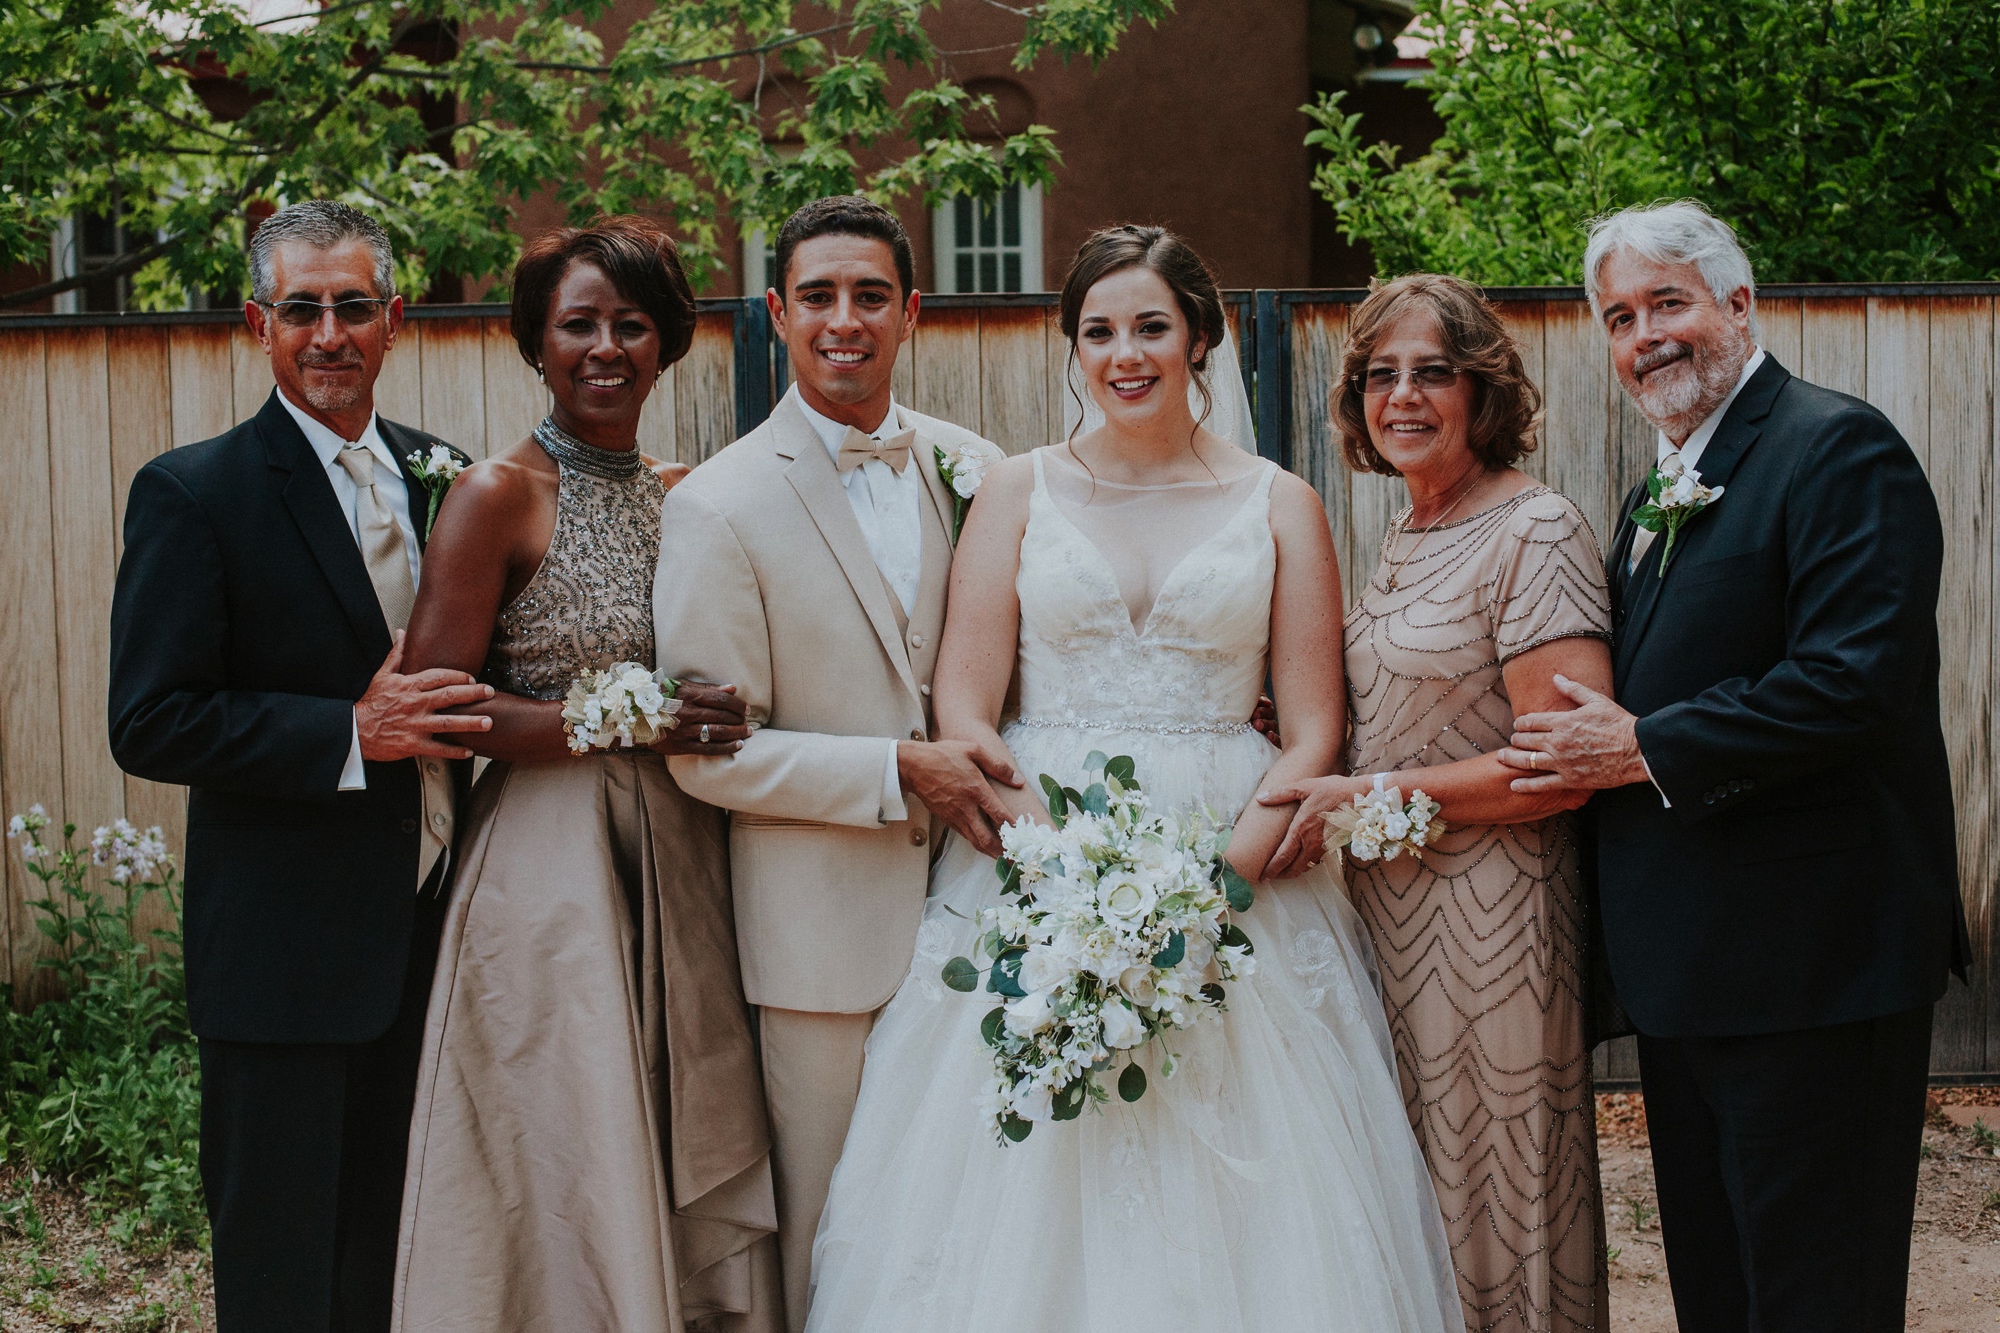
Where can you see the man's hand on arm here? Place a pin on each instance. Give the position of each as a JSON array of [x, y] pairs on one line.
[[1590, 747], [400, 716], [716, 707], [950, 778]]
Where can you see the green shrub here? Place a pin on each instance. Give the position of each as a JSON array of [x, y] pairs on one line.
[[99, 1087]]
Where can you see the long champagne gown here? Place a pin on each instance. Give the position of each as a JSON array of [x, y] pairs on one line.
[[590, 1151], [1272, 1184], [1482, 940]]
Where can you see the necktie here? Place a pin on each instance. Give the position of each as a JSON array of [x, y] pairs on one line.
[[857, 449], [381, 539]]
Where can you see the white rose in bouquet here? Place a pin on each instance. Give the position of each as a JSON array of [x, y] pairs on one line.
[[1122, 1028]]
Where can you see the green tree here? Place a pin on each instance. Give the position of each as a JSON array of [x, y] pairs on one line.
[[1846, 140], [441, 116]]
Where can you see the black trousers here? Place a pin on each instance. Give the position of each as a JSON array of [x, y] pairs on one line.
[[302, 1154], [1787, 1170]]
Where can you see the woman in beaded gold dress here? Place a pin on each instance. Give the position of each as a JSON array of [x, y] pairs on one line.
[[589, 1150], [1490, 585]]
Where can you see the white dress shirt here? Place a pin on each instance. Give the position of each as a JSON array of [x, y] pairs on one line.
[[391, 489], [1690, 451], [888, 506]]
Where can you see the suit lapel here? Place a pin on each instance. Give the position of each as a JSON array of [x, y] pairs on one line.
[[942, 502], [307, 493], [813, 475], [1622, 538], [1732, 440]]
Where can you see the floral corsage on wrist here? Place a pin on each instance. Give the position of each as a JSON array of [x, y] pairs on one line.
[[437, 471], [1379, 823], [622, 705], [1674, 496], [963, 468]]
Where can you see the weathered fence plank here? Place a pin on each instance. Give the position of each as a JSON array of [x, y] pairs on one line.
[[1013, 386], [1833, 345], [515, 400]]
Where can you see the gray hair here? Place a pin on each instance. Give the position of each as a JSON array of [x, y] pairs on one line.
[[1679, 231], [323, 223]]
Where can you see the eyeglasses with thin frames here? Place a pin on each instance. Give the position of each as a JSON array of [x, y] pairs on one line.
[[1377, 380], [353, 312]]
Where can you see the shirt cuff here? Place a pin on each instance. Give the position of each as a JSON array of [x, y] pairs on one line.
[[353, 777], [894, 808], [1655, 781]]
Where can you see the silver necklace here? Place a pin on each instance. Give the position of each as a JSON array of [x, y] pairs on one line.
[[565, 448]]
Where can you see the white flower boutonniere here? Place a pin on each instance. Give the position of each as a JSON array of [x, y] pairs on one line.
[[624, 704], [1379, 824], [437, 472], [1674, 496], [963, 469]]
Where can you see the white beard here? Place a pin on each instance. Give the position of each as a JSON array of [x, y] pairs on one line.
[[1678, 399], [332, 397]]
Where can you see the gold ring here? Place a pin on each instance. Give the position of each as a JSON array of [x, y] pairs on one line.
[[1534, 756]]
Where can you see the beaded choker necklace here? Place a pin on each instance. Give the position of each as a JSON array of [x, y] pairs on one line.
[[566, 449]]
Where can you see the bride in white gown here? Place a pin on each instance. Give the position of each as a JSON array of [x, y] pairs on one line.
[[1139, 580]]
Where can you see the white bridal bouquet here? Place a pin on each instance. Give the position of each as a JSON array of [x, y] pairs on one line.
[[624, 704], [1117, 932], [1378, 823]]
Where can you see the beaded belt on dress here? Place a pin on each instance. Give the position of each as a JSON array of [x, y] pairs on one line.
[[1176, 729]]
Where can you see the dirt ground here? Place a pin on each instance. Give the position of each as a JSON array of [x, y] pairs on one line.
[[60, 1273], [1954, 1252]]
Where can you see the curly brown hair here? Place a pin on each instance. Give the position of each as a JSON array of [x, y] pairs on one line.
[[639, 258], [1507, 407]]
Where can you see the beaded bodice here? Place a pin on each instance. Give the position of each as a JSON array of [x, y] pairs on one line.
[[591, 602], [1196, 661], [1426, 658]]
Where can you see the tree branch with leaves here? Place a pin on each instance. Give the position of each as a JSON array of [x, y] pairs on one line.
[[177, 118]]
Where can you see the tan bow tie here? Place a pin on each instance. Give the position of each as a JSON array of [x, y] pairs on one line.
[[857, 449]]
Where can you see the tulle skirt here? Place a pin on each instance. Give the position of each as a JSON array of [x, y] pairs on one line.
[[1272, 1183]]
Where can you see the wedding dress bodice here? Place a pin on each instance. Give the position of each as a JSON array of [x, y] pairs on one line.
[[1195, 662]]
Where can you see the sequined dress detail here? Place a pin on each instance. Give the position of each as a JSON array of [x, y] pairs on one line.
[[591, 602], [1482, 941], [1272, 1183]]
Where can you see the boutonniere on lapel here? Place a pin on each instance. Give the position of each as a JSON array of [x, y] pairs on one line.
[[437, 472], [963, 468], [1674, 496]]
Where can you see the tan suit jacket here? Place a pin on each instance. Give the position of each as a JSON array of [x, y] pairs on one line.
[[766, 582]]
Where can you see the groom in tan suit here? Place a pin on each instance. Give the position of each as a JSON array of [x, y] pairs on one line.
[[807, 565]]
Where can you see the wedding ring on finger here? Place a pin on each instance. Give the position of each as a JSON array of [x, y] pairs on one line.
[[704, 733], [1534, 756]]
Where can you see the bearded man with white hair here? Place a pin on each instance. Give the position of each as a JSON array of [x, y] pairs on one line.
[[1777, 871]]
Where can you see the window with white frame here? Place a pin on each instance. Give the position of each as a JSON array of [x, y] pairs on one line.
[[990, 244]]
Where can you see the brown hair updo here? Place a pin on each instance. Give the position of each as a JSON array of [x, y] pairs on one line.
[[1113, 250], [639, 258], [1506, 405]]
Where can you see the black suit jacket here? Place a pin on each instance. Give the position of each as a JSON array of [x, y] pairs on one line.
[[243, 629], [1785, 675]]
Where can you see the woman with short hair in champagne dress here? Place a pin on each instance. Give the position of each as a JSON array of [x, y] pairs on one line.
[[1490, 587], [590, 1150]]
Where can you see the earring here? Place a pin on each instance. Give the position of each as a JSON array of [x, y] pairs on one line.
[[539, 377]]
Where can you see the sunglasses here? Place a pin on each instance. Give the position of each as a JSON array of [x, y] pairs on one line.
[[1425, 379], [354, 313]]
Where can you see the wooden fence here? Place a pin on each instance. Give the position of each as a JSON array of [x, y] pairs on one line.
[[90, 399]]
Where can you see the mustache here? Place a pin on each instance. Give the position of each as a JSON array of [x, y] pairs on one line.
[[330, 359], [1647, 362]]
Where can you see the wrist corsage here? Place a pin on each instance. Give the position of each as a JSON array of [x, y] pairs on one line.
[[1674, 496], [622, 705], [963, 468], [1379, 824], [437, 471]]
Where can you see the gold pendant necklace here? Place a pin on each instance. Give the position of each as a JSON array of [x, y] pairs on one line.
[[1401, 518]]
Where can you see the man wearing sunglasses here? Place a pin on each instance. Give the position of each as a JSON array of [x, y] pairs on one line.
[[256, 644]]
